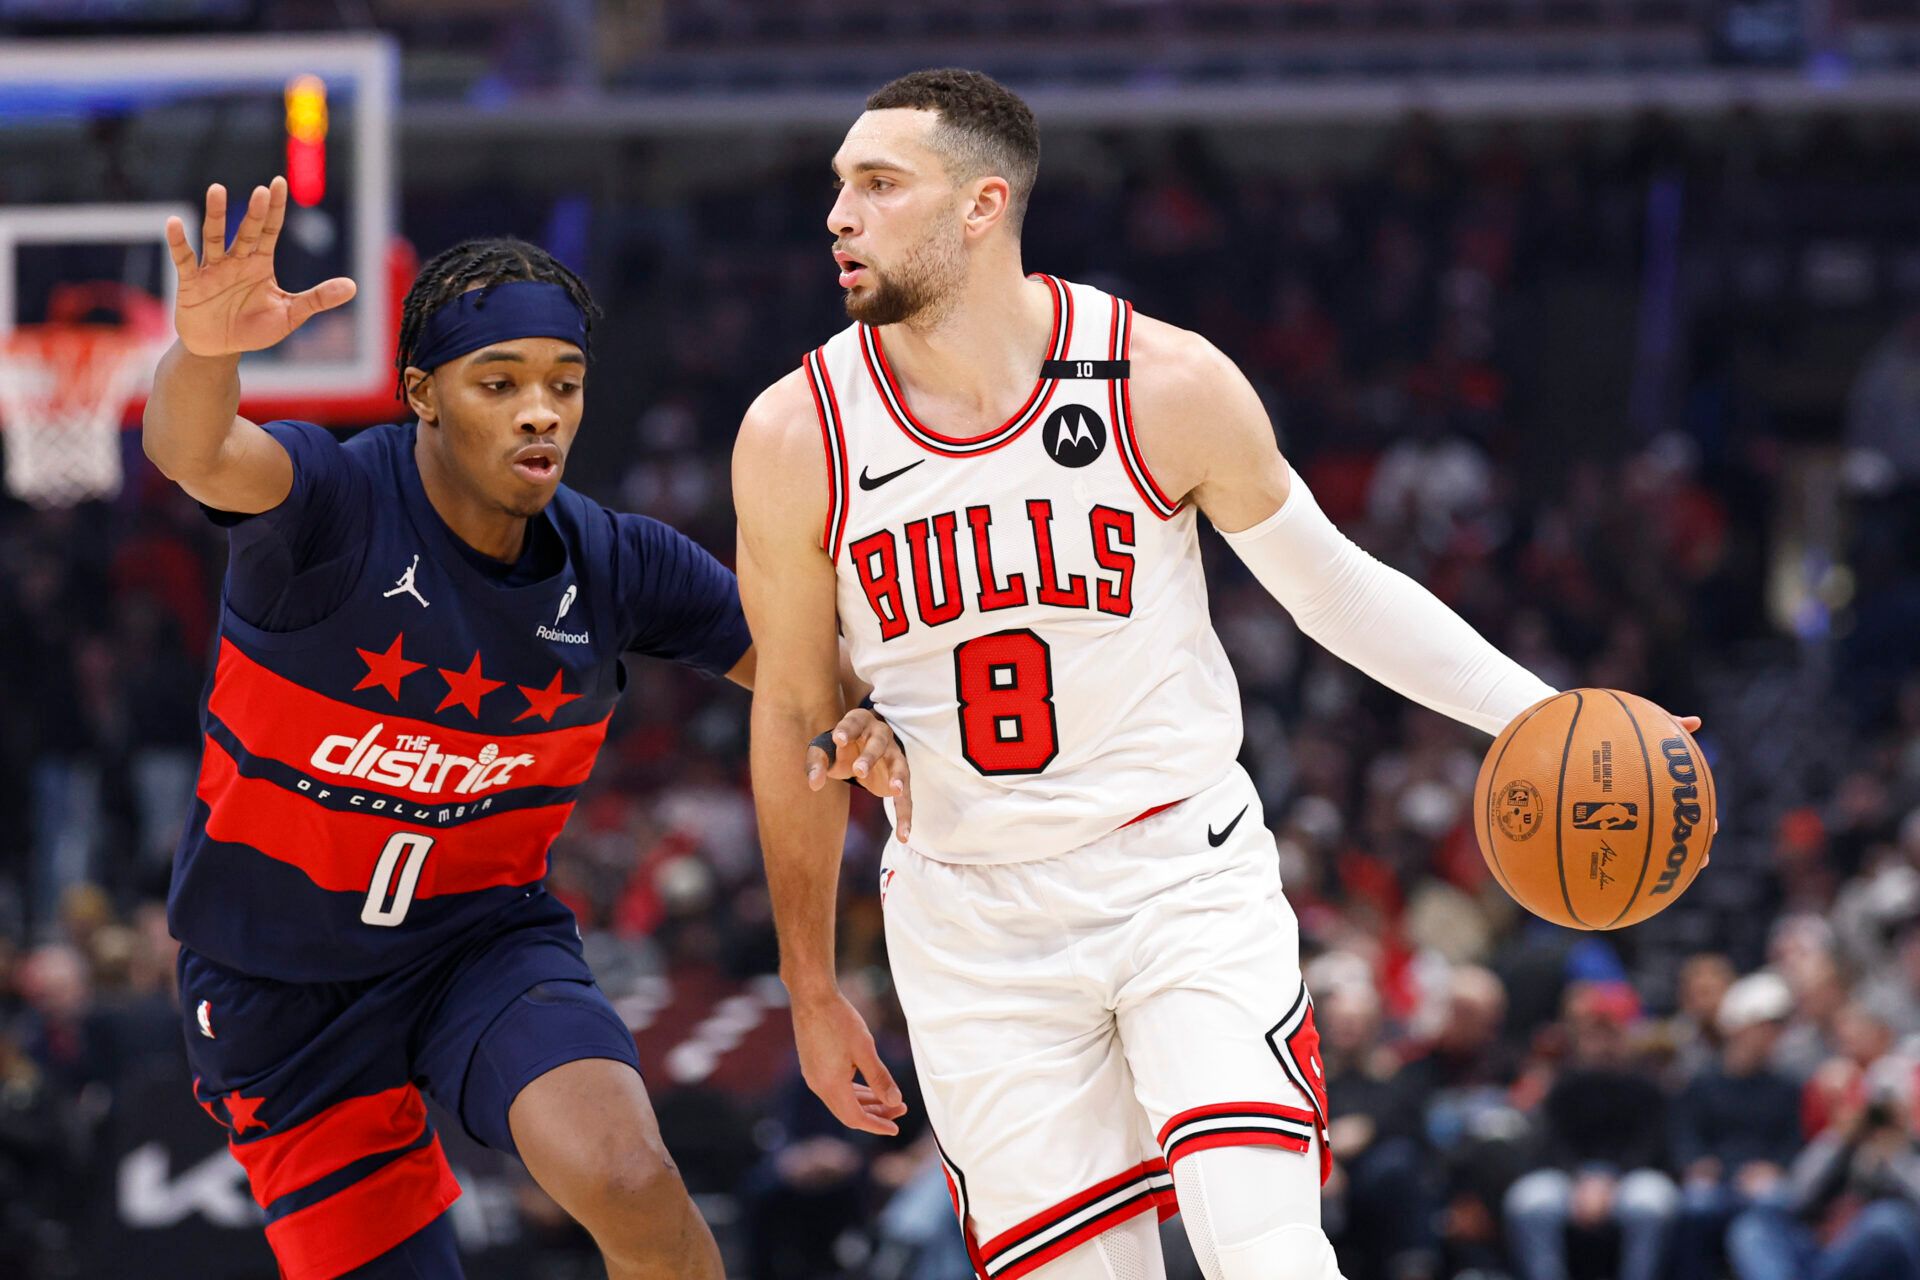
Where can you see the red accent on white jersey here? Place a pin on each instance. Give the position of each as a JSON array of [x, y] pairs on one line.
[[1028, 604]]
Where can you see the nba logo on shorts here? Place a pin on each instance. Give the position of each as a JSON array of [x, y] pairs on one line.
[[204, 1016]]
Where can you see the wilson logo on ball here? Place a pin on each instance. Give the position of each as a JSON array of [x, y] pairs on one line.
[[1686, 808]]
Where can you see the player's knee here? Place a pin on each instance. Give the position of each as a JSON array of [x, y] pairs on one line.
[[1296, 1251], [1253, 1214], [631, 1194]]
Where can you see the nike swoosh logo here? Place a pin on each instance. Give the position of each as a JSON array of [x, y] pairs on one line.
[[874, 482], [1216, 839]]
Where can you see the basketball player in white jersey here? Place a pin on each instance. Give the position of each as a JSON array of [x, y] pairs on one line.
[[989, 484]]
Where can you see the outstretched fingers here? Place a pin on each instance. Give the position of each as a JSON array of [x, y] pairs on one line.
[[324, 296], [213, 229], [246, 240], [185, 265], [276, 216]]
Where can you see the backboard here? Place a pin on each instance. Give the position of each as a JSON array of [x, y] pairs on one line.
[[101, 139]]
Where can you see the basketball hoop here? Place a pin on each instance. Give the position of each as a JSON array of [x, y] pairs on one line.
[[64, 388]]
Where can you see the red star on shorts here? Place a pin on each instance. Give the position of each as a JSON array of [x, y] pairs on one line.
[[386, 669], [544, 702], [467, 687], [205, 1105], [241, 1112]]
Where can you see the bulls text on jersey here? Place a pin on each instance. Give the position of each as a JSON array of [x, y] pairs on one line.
[[942, 595]]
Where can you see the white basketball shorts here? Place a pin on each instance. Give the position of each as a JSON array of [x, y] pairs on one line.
[[1081, 1023]]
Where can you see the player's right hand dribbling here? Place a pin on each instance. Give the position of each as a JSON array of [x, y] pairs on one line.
[[834, 1043], [229, 301]]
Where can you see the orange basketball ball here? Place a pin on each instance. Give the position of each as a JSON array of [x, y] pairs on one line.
[[1594, 809]]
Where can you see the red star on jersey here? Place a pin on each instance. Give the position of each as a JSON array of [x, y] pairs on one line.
[[467, 687], [544, 702], [386, 669], [241, 1111]]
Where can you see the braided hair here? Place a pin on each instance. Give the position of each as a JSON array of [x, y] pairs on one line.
[[494, 260]]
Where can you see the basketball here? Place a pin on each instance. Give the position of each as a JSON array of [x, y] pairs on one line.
[[1594, 809]]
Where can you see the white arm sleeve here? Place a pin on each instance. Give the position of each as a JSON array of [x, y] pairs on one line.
[[1380, 620]]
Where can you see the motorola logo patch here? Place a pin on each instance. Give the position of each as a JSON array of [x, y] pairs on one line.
[[1074, 435]]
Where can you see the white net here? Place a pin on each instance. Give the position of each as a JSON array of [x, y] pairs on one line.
[[63, 391]]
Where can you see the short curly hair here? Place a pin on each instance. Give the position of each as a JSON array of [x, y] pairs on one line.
[[984, 128]]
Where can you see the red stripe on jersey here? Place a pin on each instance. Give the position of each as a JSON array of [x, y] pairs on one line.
[[280, 720], [354, 1226], [337, 849], [840, 443], [826, 445], [827, 409], [1156, 810], [873, 350], [1122, 406], [280, 1164]]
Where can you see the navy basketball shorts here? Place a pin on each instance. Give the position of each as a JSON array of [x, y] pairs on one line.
[[319, 1084]]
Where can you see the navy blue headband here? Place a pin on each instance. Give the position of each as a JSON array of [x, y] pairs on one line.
[[498, 313]]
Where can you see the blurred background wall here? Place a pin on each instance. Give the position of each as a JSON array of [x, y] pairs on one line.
[[1600, 317]]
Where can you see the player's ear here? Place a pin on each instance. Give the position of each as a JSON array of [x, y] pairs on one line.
[[420, 397], [989, 206]]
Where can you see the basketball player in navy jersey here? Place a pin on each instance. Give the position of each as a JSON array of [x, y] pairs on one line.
[[420, 648], [1085, 923]]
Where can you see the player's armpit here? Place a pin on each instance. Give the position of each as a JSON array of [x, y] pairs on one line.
[[1202, 429], [742, 671]]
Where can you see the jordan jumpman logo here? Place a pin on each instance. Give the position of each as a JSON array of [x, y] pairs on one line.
[[405, 585]]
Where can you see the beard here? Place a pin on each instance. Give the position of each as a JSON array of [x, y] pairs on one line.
[[919, 291]]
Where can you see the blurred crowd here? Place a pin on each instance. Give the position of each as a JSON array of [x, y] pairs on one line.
[[1585, 388]]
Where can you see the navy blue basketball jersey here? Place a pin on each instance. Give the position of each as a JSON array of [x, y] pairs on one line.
[[396, 728]]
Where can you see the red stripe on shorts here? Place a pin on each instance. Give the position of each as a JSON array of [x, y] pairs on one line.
[[1209, 1141], [1067, 1207], [1237, 1109], [354, 1226], [279, 1164]]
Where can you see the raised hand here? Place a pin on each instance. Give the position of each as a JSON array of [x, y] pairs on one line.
[[229, 301]]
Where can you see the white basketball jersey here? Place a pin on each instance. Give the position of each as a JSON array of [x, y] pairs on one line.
[[1028, 606]]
